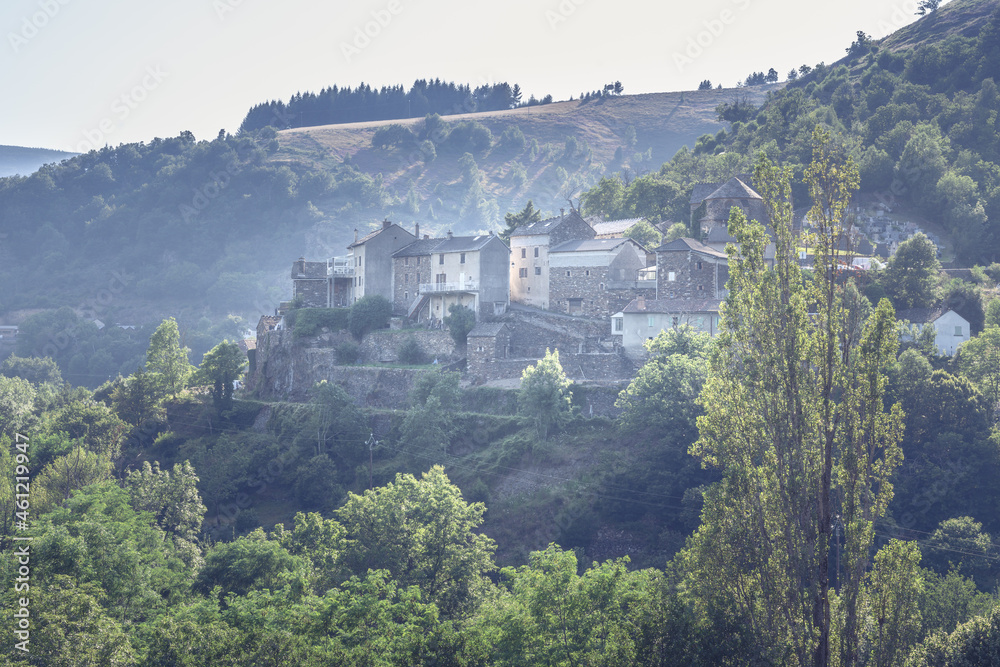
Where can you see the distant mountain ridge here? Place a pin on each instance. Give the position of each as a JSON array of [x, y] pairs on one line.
[[23, 161]]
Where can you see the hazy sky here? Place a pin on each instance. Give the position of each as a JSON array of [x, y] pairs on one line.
[[77, 74]]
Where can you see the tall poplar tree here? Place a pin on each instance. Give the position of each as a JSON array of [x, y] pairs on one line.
[[795, 420]]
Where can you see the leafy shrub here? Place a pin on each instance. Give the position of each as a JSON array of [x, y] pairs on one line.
[[347, 352], [410, 352], [392, 135], [309, 321], [369, 313]]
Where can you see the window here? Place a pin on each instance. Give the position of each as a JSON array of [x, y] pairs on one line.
[[441, 278], [538, 270], [524, 253], [587, 272], [406, 296], [523, 272], [650, 320], [567, 274], [406, 261], [441, 258], [536, 251], [958, 330], [462, 259], [619, 324], [699, 266], [671, 276], [701, 288]]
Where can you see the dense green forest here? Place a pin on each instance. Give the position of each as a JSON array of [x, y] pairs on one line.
[[809, 491], [921, 122], [348, 105]]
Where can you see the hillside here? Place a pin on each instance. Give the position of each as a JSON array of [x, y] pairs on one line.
[[964, 18], [18, 160]]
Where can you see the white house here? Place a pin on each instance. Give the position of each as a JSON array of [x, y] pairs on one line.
[[951, 329]]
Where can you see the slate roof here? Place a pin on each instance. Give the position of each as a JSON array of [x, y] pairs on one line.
[[454, 244], [734, 188], [487, 329], [613, 226], [702, 190], [590, 245], [544, 226], [674, 306], [923, 315], [313, 270], [370, 235], [689, 244]]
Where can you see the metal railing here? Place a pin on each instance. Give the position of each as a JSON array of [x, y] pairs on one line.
[[467, 286]]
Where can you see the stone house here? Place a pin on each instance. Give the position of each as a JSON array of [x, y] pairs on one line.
[[951, 329], [686, 268], [430, 275], [486, 342], [529, 255], [371, 260], [643, 320], [580, 273], [713, 210], [311, 286]]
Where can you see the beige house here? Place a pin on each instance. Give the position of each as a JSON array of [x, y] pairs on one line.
[[529, 255], [370, 260], [430, 275]]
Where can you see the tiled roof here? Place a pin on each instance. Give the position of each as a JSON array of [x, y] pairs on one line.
[[544, 226], [674, 306], [734, 188], [702, 190], [487, 329], [689, 244], [454, 244], [589, 245], [370, 235], [602, 227]]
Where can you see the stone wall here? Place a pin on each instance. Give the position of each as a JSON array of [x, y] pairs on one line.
[[689, 280], [311, 293], [587, 283], [383, 346], [587, 367]]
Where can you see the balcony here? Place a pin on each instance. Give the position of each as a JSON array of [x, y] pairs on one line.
[[340, 267], [443, 288]]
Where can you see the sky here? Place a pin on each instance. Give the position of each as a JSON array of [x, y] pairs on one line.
[[81, 74]]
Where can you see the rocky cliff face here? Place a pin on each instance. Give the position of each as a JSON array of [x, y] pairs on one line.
[[287, 368]]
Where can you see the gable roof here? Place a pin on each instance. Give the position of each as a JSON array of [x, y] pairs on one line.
[[487, 329], [702, 190], [545, 226], [454, 244], [613, 226], [591, 245], [372, 234], [667, 306], [685, 244], [925, 315], [734, 188]]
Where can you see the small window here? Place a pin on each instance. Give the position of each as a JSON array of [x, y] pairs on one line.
[[567, 274], [699, 266], [441, 258], [523, 272], [587, 272], [524, 253], [406, 261], [650, 320], [538, 270], [958, 330], [671, 276], [462, 259], [601, 286], [406, 296], [619, 324], [536, 251], [701, 288]]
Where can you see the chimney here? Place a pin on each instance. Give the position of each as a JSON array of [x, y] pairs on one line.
[[491, 232], [562, 212], [641, 305], [416, 229], [386, 223], [426, 236], [355, 234], [449, 235]]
